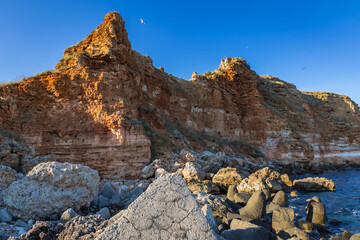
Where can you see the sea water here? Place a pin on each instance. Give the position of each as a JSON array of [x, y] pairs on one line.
[[342, 206]]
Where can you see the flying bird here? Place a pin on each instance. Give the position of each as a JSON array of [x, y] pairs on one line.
[[142, 21], [303, 68]]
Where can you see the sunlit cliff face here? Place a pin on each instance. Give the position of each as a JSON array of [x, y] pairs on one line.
[[107, 107]]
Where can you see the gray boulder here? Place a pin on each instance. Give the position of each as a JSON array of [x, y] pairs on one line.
[[166, 210], [315, 184], [51, 188]]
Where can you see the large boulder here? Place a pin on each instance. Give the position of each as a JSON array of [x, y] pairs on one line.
[[226, 177], [315, 184], [264, 178], [166, 210], [316, 212], [256, 206], [51, 188]]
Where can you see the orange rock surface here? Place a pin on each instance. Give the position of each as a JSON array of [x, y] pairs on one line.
[[107, 107]]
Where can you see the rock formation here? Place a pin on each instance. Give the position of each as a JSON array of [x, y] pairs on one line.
[[167, 210], [107, 107], [51, 188]]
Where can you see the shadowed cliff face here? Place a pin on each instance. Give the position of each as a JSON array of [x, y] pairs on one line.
[[107, 107]]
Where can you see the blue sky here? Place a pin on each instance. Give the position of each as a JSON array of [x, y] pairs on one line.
[[279, 38]]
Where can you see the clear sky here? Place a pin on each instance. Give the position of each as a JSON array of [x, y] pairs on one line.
[[314, 44]]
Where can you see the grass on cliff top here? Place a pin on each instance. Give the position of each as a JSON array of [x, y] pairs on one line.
[[44, 73]]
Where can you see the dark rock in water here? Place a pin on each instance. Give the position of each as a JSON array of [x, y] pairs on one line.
[[256, 206], [43, 231], [334, 222], [315, 184], [107, 191], [316, 212]]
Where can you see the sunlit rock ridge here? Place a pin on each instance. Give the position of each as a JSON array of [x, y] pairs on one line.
[[106, 106]]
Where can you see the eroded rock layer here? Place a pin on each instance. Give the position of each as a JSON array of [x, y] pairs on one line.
[[107, 107]]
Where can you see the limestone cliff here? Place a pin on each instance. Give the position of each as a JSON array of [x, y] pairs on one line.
[[107, 107]]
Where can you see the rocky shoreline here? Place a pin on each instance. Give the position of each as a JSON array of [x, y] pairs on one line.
[[187, 195]]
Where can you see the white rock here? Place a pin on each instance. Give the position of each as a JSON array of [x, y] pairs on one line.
[[51, 188], [167, 210]]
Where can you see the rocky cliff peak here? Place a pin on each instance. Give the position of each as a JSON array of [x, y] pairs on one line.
[[107, 42]]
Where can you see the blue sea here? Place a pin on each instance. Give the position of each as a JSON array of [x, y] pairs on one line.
[[342, 206]]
